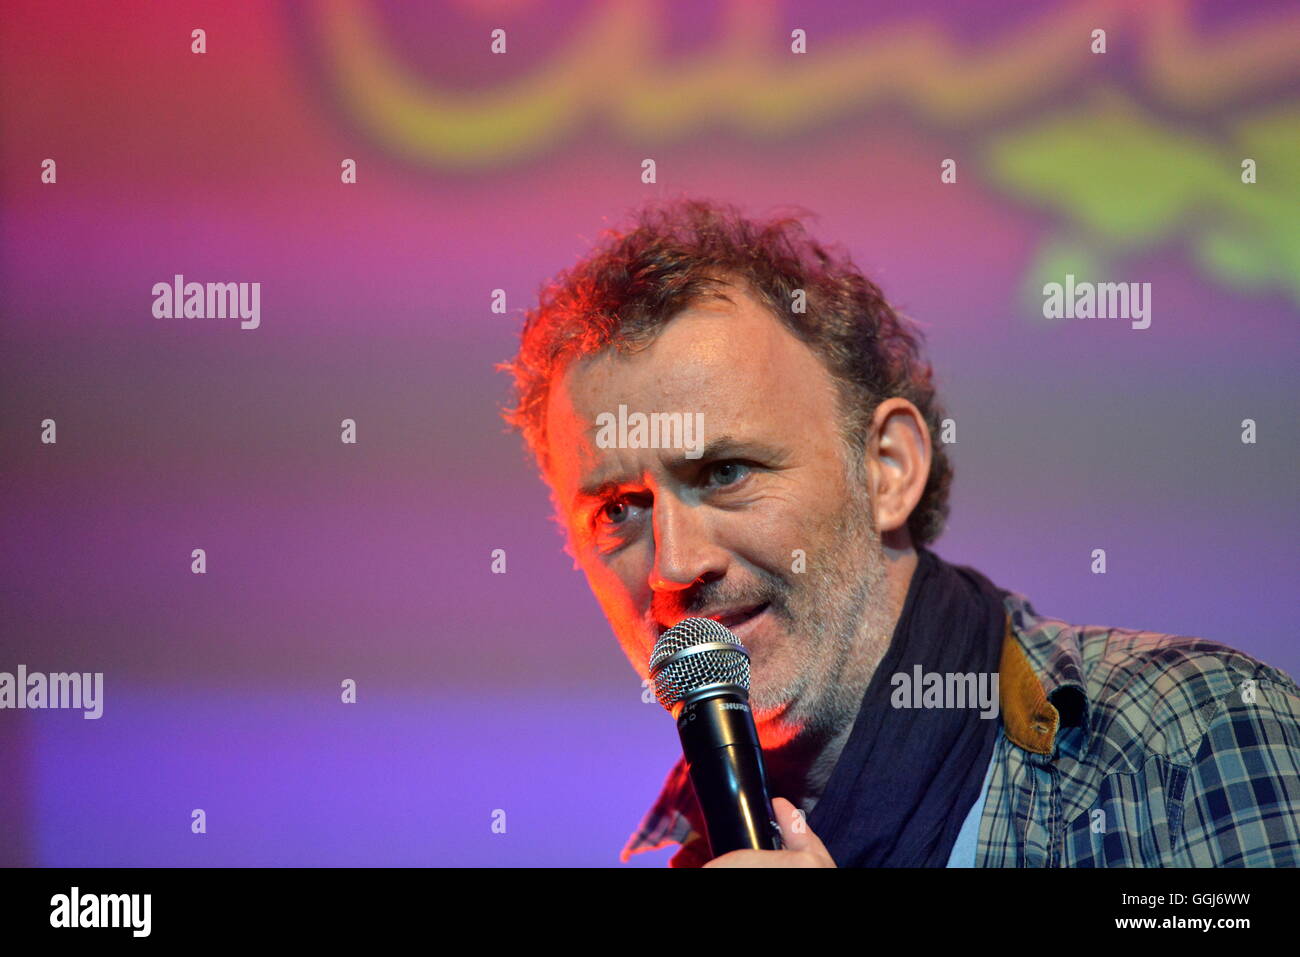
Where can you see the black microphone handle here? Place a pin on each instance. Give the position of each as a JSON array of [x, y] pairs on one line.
[[722, 752]]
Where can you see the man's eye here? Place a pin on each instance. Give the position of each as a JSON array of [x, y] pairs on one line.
[[728, 473], [615, 513]]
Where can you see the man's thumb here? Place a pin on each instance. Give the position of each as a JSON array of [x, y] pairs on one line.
[[794, 827]]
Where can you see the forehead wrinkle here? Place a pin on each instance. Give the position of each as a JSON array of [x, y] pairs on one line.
[[703, 350]]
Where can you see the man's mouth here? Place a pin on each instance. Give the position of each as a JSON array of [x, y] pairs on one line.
[[730, 619], [734, 619]]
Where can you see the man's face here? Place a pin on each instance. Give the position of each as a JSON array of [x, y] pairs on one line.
[[768, 531]]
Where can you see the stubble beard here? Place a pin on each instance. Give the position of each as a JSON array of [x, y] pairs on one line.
[[839, 621]]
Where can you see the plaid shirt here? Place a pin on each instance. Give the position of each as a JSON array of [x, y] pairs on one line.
[[1118, 749]]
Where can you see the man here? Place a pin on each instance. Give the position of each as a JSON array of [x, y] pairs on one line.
[[801, 517]]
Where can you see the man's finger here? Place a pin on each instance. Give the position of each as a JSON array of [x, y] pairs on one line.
[[803, 848], [795, 832]]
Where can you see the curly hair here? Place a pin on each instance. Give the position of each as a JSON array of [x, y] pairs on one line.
[[679, 252]]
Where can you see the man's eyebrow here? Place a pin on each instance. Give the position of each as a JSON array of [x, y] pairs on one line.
[[596, 491], [723, 446]]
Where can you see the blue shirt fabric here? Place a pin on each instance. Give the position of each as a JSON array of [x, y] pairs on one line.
[[963, 850]]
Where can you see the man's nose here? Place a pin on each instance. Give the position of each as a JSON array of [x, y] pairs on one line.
[[684, 548]]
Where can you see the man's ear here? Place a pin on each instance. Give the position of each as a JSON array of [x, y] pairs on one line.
[[898, 454]]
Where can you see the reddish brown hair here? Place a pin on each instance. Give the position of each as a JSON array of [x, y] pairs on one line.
[[678, 252]]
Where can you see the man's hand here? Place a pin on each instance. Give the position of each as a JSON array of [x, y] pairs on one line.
[[803, 848]]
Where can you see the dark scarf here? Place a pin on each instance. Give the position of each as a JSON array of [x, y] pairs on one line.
[[908, 776]]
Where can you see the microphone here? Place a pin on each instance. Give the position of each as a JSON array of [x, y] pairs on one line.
[[700, 673]]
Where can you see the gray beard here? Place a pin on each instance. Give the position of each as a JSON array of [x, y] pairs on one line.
[[845, 616]]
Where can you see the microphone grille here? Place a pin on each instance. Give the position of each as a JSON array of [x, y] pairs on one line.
[[676, 675]]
